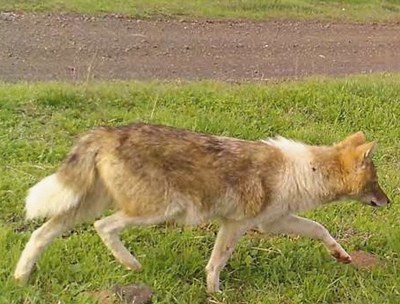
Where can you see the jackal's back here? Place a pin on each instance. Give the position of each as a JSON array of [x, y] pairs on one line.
[[152, 169]]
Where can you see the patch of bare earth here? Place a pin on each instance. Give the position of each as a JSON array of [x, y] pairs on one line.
[[76, 48], [363, 259]]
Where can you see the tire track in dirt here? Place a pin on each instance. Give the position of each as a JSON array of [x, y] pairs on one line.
[[76, 48]]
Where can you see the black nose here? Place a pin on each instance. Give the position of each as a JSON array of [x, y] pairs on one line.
[[388, 202]]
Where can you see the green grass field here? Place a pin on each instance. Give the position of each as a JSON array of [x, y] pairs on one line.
[[352, 10], [38, 123]]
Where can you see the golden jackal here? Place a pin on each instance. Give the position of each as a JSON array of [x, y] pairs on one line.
[[152, 174]]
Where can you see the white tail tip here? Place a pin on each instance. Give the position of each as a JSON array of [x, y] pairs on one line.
[[50, 197]]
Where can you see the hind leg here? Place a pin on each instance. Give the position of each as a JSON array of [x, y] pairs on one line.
[[109, 228], [38, 242]]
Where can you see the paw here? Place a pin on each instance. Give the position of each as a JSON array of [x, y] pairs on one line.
[[21, 278], [213, 289], [132, 265], [212, 284], [138, 267], [341, 256]]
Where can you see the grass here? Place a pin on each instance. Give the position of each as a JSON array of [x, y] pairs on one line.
[[351, 10], [38, 123]]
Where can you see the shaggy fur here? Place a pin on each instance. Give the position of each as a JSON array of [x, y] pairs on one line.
[[151, 174]]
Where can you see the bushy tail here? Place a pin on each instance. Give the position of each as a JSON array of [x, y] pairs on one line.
[[70, 187], [50, 197]]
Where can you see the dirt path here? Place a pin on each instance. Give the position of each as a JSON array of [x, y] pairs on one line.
[[73, 47]]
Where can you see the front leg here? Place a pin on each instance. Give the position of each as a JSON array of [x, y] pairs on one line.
[[292, 224], [227, 237]]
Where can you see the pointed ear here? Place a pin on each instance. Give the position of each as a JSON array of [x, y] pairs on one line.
[[353, 140], [367, 150]]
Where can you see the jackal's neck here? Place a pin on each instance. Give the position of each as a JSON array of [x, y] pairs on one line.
[[310, 175]]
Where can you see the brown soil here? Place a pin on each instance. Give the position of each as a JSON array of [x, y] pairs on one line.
[[75, 47], [363, 259]]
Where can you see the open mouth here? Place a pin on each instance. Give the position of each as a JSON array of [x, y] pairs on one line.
[[372, 203]]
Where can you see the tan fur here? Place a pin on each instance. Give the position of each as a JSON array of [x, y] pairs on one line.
[[152, 174], [146, 169], [353, 140]]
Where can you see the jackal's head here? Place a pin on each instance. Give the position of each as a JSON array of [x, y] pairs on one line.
[[360, 177]]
